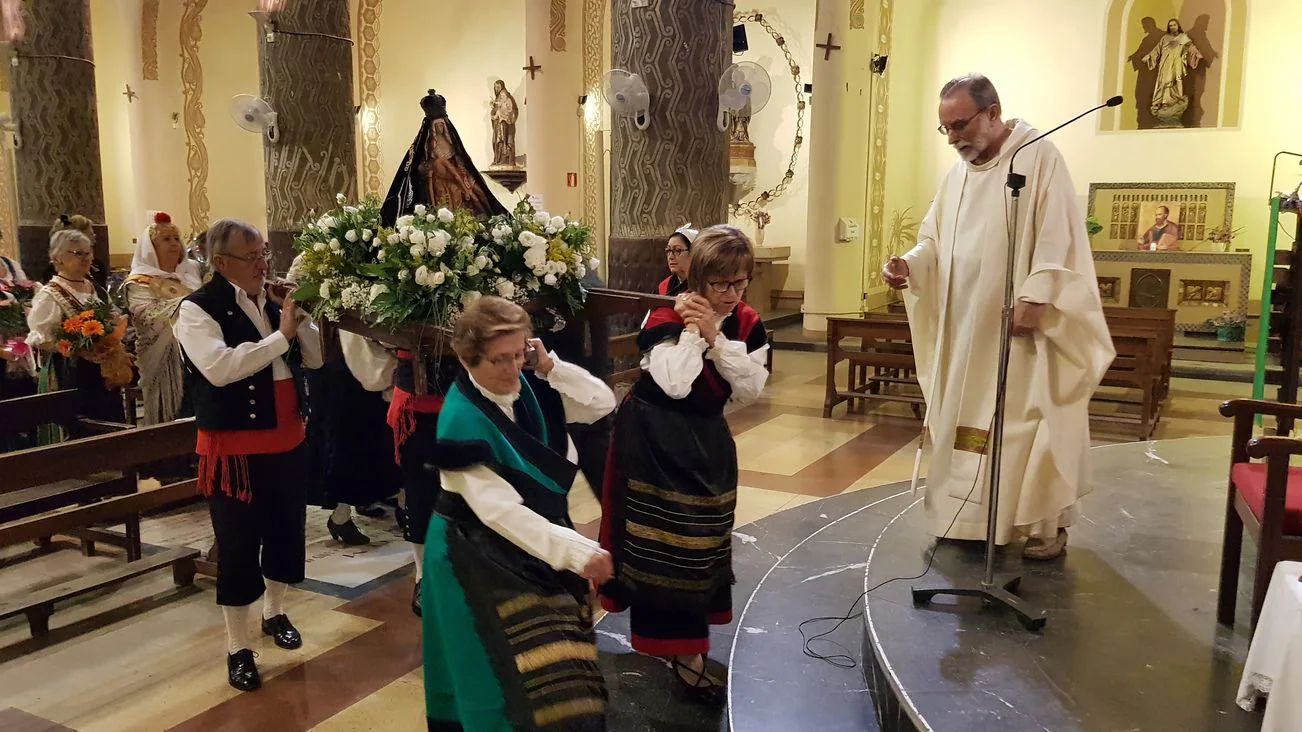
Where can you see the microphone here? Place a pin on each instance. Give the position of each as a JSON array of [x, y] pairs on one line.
[[1017, 181]]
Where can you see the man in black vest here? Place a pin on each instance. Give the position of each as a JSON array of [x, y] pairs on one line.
[[238, 340]]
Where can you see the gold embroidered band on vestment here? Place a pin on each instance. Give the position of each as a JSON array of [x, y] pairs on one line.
[[971, 439]]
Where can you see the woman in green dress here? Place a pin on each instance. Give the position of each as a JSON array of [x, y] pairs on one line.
[[508, 636]]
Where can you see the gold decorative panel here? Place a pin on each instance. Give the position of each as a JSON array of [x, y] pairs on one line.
[[369, 71], [856, 14], [1204, 292], [877, 152], [1110, 290], [594, 65], [557, 31], [149, 40], [1128, 210], [196, 156]]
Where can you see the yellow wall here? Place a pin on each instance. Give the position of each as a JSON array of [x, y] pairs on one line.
[[460, 65], [112, 36], [1045, 59]]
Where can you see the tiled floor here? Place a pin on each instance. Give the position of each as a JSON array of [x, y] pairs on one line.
[[144, 656]]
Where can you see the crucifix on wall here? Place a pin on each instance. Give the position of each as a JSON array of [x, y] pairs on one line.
[[129, 94], [828, 48], [533, 69]]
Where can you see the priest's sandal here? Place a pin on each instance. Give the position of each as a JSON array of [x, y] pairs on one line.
[[242, 672], [283, 632], [347, 533], [415, 599], [700, 685], [1037, 548]]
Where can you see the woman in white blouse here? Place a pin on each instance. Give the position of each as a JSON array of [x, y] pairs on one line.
[[69, 292], [507, 612], [671, 487]]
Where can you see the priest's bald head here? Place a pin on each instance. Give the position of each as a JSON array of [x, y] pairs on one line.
[[972, 119]]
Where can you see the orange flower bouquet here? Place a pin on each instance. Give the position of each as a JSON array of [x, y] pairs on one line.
[[96, 335]]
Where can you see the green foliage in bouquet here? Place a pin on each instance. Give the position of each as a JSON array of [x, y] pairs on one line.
[[435, 262]]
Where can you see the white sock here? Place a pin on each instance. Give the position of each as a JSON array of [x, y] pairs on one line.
[[273, 601], [418, 551], [342, 515], [237, 627]]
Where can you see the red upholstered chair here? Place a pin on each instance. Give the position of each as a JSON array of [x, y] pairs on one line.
[[1266, 498]]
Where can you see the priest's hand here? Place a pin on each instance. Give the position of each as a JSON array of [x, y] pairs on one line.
[[600, 569], [1026, 317], [896, 274]]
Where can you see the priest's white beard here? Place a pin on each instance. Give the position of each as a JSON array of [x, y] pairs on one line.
[[970, 151]]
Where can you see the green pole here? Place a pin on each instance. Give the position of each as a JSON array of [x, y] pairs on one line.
[[1263, 325]]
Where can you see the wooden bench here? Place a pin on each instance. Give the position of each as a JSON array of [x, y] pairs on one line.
[[25, 414], [884, 358], [74, 510], [1161, 322], [39, 606], [1137, 365]]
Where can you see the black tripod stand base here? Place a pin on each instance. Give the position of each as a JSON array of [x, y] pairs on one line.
[[1030, 617]]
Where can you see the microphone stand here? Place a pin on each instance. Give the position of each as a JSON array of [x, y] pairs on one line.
[[992, 594]]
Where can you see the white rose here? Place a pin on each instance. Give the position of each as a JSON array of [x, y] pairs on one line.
[[367, 234], [594, 263], [467, 243], [417, 251], [334, 245], [580, 271], [422, 275], [550, 229], [542, 218], [380, 255], [325, 290], [481, 261], [420, 209], [560, 268], [404, 274], [550, 279], [405, 221], [350, 209], [430, 218], [377, 290], [557, 223], [505, 288], [395, 238], [339, 198], [319, 247], [472, 270], [352, 236], [535, 257], [417, 237], [437, 278], [446, 216]]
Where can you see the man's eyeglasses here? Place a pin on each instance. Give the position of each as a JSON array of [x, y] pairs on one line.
[[675, 251], [958, 127], [724, 285], [264, 256]]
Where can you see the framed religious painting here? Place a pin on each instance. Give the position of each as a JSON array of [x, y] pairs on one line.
[[1177, 63], [1160, 216]]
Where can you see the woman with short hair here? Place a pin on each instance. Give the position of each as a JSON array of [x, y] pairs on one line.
[[508, 635], [671, 483]]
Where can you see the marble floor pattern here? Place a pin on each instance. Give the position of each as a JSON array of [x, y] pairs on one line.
[[146, 656]]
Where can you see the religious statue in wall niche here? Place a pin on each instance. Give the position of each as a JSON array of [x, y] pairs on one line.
[[1174, 57], [504, 114]]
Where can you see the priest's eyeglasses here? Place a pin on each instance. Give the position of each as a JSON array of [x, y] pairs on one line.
[[723, 286], [958, 127]]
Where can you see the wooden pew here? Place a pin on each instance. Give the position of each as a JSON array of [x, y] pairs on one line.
[[117, 452], [1137, 365], [1160, 321], [25, 414], [884, 357]]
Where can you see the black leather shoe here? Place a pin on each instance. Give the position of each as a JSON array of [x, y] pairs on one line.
[[242, 672], [347, 533], [415, 599], [283, 632]]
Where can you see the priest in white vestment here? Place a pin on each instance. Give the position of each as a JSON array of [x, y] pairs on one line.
[[953, 283]]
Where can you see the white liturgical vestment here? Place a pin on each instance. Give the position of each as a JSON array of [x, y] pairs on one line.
[[954, 298]]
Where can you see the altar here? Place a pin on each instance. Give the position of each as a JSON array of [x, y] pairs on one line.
[[1198, 286], [760, 293]]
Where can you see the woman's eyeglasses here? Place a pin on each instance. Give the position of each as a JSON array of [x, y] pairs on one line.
[[675, 252], [81, 255], [724, 285]]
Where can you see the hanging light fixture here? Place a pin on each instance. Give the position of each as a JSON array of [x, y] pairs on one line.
[[266, 15]]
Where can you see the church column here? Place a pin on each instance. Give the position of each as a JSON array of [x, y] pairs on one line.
[[838, 163], [676, 171], [58, 162], [554, 126], [306, 72]]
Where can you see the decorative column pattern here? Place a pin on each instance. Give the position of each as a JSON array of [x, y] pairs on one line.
[[307, 77], [58, 163], [149, 40], [196, 150], [676, 171], [594, 178], [877, 154], [557, 25], [368, 18]]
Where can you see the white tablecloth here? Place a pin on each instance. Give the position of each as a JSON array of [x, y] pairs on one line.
[[1275, 658]]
